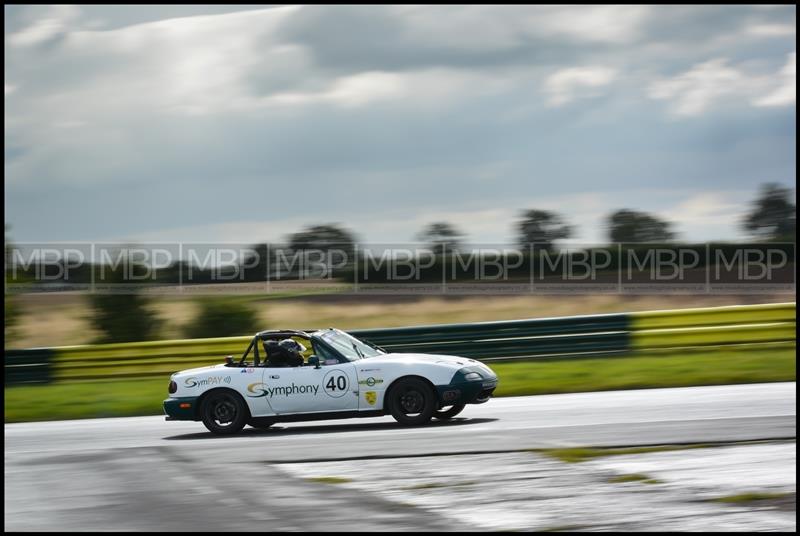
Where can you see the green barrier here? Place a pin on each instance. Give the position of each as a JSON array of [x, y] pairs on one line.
[[523, 347], [28, 366], [713, 316], [501, 329], [713, 336], [154, 348], [517, 339]]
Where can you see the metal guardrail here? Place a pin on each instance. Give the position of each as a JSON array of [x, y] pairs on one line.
[[539, 338]]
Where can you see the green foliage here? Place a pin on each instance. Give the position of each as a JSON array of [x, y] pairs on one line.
[[322, 237], [11, 311], [11, 308], [542, 228], [12, 314], [773, 216], [327, 251], [222, 318], [441, 236], [632, 226], [123, 317]]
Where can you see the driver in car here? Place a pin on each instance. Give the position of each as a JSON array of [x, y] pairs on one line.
[[293, 350]]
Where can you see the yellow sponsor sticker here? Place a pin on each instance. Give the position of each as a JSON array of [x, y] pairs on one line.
[[371, 397]]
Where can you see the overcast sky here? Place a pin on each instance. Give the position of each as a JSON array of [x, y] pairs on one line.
[[242, 123]]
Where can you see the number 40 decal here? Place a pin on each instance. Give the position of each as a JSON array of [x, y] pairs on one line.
[[335, 383]]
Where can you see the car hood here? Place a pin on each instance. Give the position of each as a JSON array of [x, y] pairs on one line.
[[447, 360]]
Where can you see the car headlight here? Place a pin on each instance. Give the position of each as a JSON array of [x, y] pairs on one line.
[[472, 376]]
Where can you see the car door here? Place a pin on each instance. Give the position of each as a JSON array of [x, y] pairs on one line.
[[308, 389], [249, 381]]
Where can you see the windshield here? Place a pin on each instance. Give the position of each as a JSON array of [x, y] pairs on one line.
[[350, 347]]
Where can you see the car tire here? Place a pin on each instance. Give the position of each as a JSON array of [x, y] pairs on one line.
[[449, 413], [224, 412], [411, 401]]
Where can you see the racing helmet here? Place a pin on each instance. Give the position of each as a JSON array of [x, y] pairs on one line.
[[292, 345]]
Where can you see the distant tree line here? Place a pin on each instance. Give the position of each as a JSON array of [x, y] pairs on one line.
[[770, 219], [130, 317]]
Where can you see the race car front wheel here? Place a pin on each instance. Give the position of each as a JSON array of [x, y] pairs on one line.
[[411, 401], [223, 412], [450, 412]]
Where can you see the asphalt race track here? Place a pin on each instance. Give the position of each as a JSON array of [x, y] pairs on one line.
[[145, 473]]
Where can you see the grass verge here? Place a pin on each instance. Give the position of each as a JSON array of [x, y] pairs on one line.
[[582, 454], [329, 479], [123, 398], [435, 485], [642, 371], [755, 497], [634, 477]]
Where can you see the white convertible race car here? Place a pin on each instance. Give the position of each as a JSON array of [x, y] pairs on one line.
[[335, 376]]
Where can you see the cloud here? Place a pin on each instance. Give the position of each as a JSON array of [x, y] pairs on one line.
[[568, 84], [708, 215], [369, 38], [54, 24], [170, 117], [709, 83], [785, 94], [708, 208], [698, 88], [436, 86], [771, 30]]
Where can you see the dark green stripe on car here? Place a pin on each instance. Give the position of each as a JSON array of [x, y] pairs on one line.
[[181, 408]]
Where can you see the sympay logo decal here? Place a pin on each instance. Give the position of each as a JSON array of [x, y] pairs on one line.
[[211, 380], [259, 390]]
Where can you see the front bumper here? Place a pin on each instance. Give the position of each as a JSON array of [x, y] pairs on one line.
[[181, 408], [460, 391]]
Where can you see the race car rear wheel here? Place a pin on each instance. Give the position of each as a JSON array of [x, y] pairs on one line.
[[224, 412], [411, 401], [449, 413]]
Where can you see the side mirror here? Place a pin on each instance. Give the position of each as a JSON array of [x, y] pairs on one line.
[[229, 360], [314, 360]]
